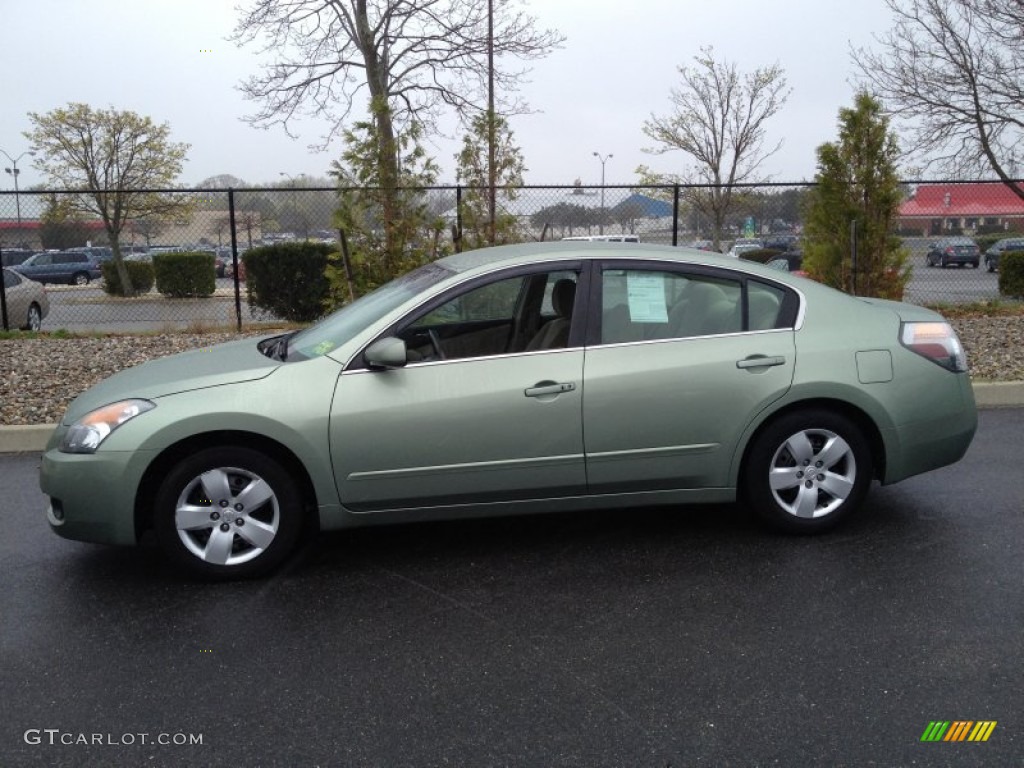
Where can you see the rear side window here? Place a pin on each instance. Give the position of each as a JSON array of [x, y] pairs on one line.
[[646, 305], [764, 306]]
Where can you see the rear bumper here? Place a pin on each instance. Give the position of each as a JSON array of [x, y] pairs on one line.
[[926, 444]]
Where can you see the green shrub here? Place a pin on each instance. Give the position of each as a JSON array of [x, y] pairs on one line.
[[761, 255], [140, 273], [1011, 274], [987, 241], [181, 275], [288, 279]]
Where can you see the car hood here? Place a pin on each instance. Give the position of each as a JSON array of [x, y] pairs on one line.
[[214, 366]]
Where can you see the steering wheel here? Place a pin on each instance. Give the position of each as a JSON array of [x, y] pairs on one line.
[[435, 341]]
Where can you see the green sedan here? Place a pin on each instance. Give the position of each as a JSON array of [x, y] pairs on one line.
[[527, 378]]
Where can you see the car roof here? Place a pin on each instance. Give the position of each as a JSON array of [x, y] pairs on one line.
[[525, 253]]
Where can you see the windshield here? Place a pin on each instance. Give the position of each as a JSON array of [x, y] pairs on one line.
[[339, 328]]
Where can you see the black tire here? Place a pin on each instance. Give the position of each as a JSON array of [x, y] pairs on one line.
[[943, 263], [80, 278], [990, 265], [800, 502], [274, 520], [34, 319], [974, 265]]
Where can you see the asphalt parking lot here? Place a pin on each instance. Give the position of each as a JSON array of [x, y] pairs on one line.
[[628, 638]]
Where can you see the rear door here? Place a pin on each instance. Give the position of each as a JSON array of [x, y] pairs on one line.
[[679, 363]]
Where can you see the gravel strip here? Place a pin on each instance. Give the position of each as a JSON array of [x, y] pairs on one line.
[[41, 376]]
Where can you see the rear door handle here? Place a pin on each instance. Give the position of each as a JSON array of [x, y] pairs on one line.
[[760, 361], [549, 388]]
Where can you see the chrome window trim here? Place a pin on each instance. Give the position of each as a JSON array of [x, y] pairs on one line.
[[424, 363], [689, 338]]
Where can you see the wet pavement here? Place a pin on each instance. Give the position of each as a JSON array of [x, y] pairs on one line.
[[671, 637]]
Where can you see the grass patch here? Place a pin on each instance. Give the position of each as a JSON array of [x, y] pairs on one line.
[[197, 328], [991, 308]]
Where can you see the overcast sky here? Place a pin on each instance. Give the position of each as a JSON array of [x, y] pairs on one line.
[[169, 59]]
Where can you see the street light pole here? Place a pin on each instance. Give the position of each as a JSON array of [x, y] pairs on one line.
[[604, 159], [14, 171]]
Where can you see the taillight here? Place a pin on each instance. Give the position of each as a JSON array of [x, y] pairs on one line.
[[936, 341]]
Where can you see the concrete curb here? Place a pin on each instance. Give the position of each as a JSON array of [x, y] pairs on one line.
[[32, 438]]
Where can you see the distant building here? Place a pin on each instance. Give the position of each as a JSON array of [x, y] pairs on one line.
[[941, 209]]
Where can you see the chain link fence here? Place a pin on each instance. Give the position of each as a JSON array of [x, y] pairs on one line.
[[952, 231]]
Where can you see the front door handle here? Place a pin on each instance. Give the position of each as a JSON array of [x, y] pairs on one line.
[[549, 388], [760, 361]]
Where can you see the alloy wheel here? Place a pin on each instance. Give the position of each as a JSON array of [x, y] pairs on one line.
[[227, 516], [812, 473]]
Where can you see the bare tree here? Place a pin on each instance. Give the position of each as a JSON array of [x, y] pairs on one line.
[[117, 158], [411, 56], [952, 71], [407, 59], [718, 118]]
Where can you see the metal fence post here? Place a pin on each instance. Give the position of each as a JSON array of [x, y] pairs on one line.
[[675, 214], [457, 231], [853, 255], [234, 259], [3, 292]]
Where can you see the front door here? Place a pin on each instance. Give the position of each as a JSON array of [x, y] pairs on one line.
[[482, 412]]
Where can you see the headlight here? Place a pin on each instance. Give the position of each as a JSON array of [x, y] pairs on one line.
[[86, 434]]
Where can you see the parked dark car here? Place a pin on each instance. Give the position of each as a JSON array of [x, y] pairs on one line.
[[11, 256], [953, 250], [998, 248], [783, 243], [73, 267]]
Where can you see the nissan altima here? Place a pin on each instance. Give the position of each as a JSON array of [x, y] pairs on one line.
[[526, 378]]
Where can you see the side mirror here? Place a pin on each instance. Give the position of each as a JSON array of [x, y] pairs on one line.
[[388, 352]]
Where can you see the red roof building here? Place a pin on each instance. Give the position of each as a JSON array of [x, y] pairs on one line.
[[940, 209]]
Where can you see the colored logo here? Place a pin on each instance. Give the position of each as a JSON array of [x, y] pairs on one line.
[[958, 730]]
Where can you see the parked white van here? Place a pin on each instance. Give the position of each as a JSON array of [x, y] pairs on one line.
[[607, 238]]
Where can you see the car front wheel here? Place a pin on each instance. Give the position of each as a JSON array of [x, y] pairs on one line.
[[80, 278], [34, 320], [228, 512], [807, 471]]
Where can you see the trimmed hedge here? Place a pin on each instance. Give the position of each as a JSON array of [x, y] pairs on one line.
[[140, 273], [184, 275], [288, 279], [1011, 274]]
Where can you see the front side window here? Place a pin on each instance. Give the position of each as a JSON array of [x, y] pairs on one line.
[[521, 313], [647, 305], [340, 327]]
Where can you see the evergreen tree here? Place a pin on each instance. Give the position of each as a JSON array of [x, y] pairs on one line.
[[472, 173], [857, 182]]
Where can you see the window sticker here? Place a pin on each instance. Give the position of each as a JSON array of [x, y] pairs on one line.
[[646, 293]]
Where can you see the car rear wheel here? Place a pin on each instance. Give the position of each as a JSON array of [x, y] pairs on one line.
[[228, 512], [80, 278], [990, 265], [34, 320], [808, 470]]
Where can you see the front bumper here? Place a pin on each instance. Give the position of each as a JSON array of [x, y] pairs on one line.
[[92, 496]]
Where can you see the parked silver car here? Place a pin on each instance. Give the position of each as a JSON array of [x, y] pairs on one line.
[[27, 302]]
